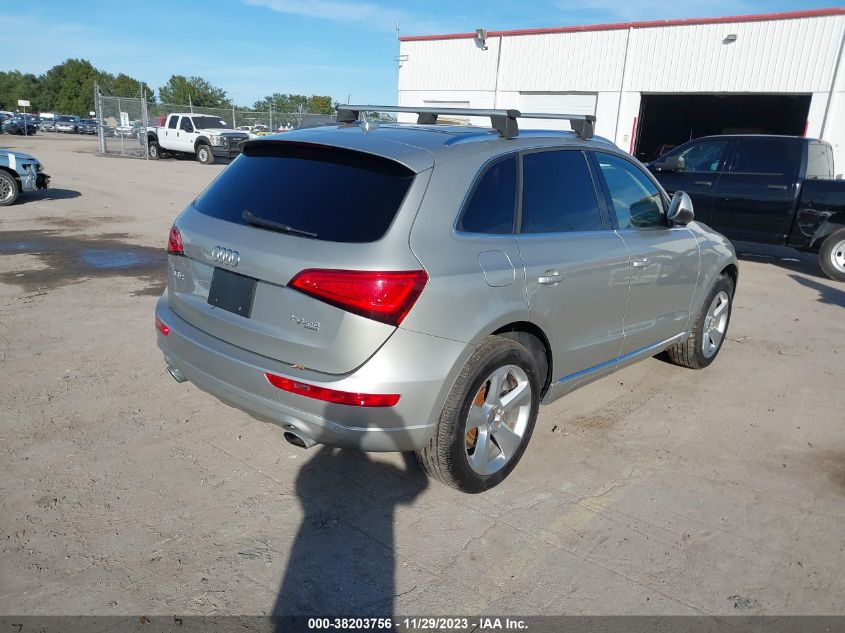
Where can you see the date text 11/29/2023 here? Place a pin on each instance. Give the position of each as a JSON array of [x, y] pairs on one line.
[[479, 624]]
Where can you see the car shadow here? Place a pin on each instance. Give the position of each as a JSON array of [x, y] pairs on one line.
[[47, 194], [342, 561], [827, 294], [781, 256]]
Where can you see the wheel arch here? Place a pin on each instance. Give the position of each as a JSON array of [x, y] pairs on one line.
[[536, 341], [830, 225], [732, 271], [201, 140], [11, 172]]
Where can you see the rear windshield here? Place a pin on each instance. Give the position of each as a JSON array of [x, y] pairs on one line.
[[332, 194]]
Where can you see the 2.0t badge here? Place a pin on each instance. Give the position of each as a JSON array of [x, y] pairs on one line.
[[225, 256]]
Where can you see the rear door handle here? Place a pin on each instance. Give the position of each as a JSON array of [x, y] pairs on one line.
[[704, 183], [641, 263], [549, 278], [778, 187]]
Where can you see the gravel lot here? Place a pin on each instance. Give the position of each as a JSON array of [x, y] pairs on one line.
[[654, 491]]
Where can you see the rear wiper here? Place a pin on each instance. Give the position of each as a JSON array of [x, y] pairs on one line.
[[251, 218]]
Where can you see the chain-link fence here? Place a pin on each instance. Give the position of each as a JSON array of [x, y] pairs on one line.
[[125, 120], [121, 127]]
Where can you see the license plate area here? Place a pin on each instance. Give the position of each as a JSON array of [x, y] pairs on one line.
[[232, 292]]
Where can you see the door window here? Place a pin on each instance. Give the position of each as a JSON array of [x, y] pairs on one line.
[[491, 207], [171, 124], [705, 156], [186, 124], [558, 194], [773, 157], [636, 199], [818, 163]]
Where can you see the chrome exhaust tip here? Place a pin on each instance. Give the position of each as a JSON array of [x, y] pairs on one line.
[[177, 374], [295, 437]]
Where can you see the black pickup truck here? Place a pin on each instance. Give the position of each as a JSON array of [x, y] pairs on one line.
[[767, 189]]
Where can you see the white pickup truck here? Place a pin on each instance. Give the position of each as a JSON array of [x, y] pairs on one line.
[[205, 136]]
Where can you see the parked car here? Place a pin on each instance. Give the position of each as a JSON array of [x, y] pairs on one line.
[[426, 287], [67, 124], [19, 172], [767, 189], [201, 135], [48, 125], [261, 130], [88, 126], [17, 124]]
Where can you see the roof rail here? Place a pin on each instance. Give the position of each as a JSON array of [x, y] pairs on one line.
[[504, 121]]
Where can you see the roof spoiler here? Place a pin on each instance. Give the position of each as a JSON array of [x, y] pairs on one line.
[[503, 121]]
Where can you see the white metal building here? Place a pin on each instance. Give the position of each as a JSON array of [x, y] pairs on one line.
[[650, 84]]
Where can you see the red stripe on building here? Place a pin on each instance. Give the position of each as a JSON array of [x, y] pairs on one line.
[[762, 17]]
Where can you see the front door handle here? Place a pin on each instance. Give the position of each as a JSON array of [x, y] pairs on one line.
[[704, 183], [778, 187], [549, 278], [641, 262]]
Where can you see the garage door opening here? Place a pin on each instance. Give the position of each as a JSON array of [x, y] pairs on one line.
[[666, 121]]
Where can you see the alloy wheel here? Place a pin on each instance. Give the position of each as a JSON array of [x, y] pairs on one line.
[[498, 419], [715, 324]]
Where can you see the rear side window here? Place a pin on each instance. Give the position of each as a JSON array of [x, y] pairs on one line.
[[172, 122], [491, 207], [558, 193], [819, 165], [333, 194], [772, 157]]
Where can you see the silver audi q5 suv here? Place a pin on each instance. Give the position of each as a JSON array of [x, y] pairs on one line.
[[424, 287]]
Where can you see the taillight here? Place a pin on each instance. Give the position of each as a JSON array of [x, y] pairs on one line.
[[383, 296], [333, 395], [174, 242], [161, 327]]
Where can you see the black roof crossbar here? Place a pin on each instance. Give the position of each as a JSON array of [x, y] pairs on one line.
[[503, 121]]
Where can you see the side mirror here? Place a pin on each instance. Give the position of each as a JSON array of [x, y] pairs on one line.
[[671, 163], [680, 210]]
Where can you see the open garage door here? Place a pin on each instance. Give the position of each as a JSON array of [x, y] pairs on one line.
[[555, 103], [666, 121]]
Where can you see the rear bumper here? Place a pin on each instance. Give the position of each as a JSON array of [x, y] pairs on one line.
[[419, 367]]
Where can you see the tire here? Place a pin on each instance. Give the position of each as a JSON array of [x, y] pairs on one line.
[[9, 189], [832, 255], [701, 347], [453, 454], [154, 150], [204, 154]]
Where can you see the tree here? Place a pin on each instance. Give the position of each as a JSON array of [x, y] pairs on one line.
[[197, 91], [320, 104], [279, 102], [16, 85], [69, 87], [125, 86]]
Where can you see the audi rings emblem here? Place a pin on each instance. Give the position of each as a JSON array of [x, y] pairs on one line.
[[225, 256]]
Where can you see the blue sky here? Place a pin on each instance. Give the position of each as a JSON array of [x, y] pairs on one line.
[[252, 48]]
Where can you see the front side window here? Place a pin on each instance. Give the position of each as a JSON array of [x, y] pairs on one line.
[[186, 124], [636, 199], [558, 193], [491, 207], [704, 156]]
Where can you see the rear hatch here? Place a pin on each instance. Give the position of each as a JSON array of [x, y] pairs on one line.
[[280, 209]]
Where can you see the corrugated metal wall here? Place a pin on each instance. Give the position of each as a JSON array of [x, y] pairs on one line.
[[795, 55]]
